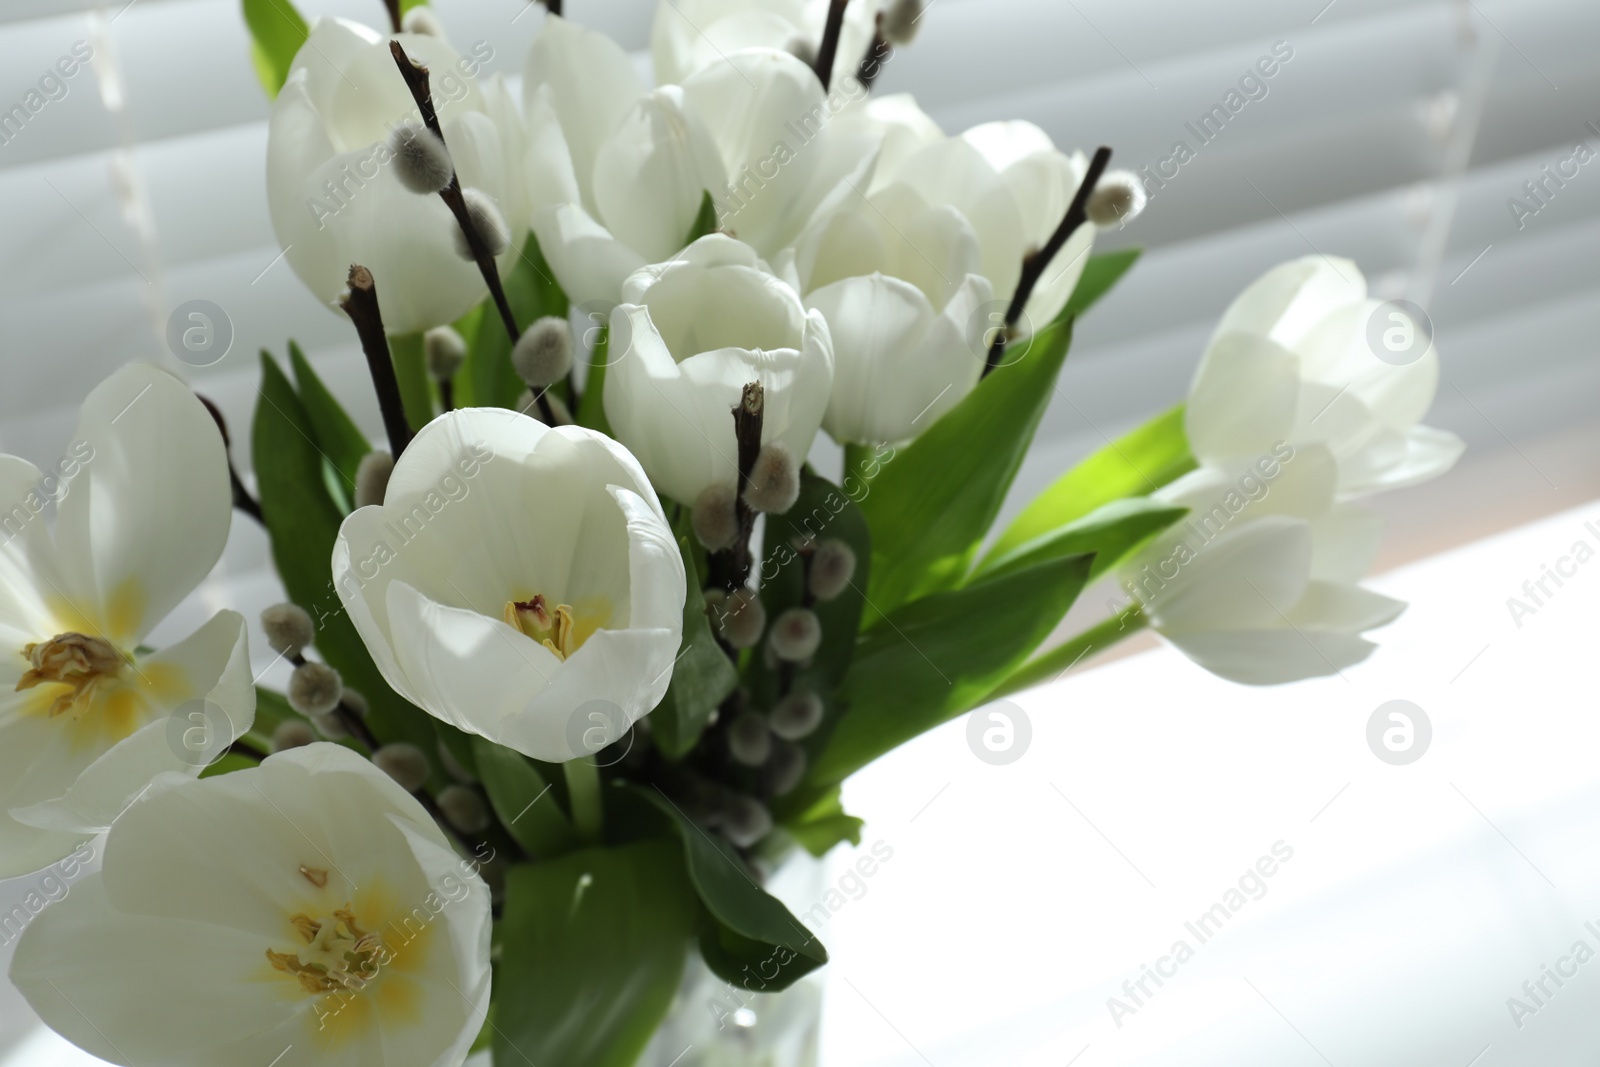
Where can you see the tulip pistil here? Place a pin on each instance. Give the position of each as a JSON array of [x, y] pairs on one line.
[[74, 660], [338, 953], [555, 630]]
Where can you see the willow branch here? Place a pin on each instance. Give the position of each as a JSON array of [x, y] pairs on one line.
[[361, 304]]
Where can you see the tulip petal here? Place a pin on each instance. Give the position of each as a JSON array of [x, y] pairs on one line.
[[1243, 399], [28, 565], [1241, 578], [1341, 608], [213, 665], [1273, 657], [157, 455], [1346, 541], [589, 262], [1287, 301], [592, 86]]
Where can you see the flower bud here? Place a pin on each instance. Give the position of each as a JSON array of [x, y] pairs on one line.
[[292, 733], [355, 703], [542, 356], [795, 635], [743, 619], [405, 763], [463, 808], [833, 564], [797, 715], [715, 522], [372, 477], [786, 767], [487, 221], [330, 726], [1117, 199], [421, 161], [421, 19], [745, 820], [901, 20], [288, 628], [443, 347], [749, 740], [314, 689], [774, 483]]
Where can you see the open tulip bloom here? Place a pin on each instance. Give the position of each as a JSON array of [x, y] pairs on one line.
[[595, 616]]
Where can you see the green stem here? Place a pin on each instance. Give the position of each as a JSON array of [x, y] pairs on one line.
[[583, 795], [411, 368], [1051, 664], [861, 461]]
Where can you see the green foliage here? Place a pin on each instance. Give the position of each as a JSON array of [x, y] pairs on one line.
[[824, 824], [334, 430], [592, 408], [1135, 464], [1111, 532], [303, 521], [940, 656], [592, 948], [704, 222], [749, 928], [486, 378], [702, 678], [932, 504], [276, 33], [1099, 275], [517, 792]]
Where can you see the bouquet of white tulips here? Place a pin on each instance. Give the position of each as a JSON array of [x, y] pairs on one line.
[[586, 643]]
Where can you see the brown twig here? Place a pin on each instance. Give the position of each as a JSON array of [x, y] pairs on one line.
[[242, 499], [1033, 267], [829, 48], [394, 13], [416, 78], [362, 306], [731, 567]]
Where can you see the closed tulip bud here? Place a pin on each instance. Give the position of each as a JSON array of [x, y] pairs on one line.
[[745, 820], [314, 689], [786, 767], [542, 356], [797, 715], [463, 809], [715, 521], [749, 740], [445, 352], [372, 477], [487, 221], [292, 733], [420, 159], [901, 20], [774, 483], [288, 628], [833, 565], [743, 619], [405, 763], [1117, 199], [795, 635]]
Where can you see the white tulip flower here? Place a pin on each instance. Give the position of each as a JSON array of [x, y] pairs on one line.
[[899, 282], [143, 506], [335, 197], [513, 574], [1258, 583], [688, 337], [690, 35], [1292, 360], [1007, 179], [619, 175], [307, 911]]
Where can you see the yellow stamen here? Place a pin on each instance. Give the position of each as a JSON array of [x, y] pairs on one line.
[[74, 660], [554, 630], [338, 953]]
